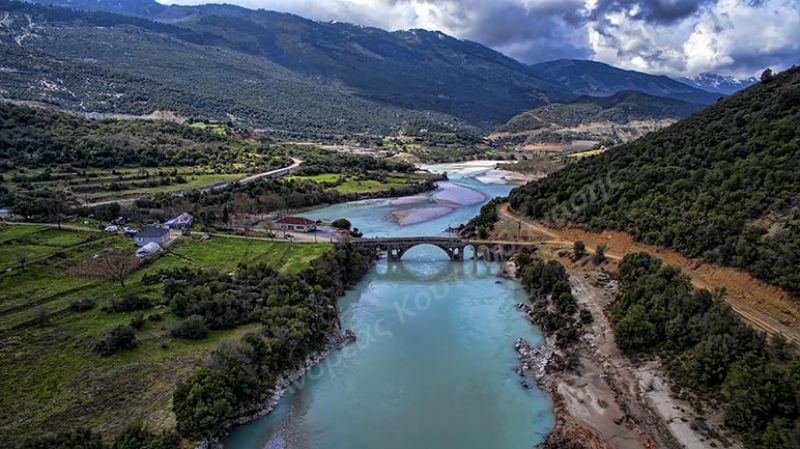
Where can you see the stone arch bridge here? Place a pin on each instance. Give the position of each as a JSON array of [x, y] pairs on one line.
[[492, 250]]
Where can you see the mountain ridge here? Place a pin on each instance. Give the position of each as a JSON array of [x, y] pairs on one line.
[[259, 66], [713, 82], [611, 120], [418, 70], [598, 79]]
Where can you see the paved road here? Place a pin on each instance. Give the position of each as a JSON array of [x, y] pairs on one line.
[[277, 173]]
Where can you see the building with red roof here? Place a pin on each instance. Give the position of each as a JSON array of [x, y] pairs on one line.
[[298, 224]]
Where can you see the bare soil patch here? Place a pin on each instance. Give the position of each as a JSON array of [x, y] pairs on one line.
[[763, 306]]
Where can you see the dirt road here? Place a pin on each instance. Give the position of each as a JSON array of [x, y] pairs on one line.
[[763, 306]]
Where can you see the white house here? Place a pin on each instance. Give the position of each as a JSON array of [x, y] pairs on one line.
[[148, 250]]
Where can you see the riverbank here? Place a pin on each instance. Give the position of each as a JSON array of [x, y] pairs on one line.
[[604, 400], [336, 342]]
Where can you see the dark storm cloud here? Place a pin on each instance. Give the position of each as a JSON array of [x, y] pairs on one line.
[[657, 11], [678, 37]]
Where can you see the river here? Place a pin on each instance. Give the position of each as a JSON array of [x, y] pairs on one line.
[[433, 365]]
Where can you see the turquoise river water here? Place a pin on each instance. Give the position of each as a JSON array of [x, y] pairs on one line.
[[433, 364]]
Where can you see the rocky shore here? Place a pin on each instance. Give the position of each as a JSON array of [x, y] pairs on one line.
[[598, 398]]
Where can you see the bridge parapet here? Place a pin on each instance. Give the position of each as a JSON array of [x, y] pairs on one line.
[[396, 247]]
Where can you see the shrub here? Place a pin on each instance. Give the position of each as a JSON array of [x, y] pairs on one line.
[[137, 322], [80, 438], [192, 328], [129, 303], [586, 316], [118, 339], [82, 305]]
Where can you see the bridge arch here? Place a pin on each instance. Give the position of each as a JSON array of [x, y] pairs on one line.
[[454, 247], [454, 252]]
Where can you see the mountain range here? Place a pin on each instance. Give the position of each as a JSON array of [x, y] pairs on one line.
[[281, 72], [602, 80], [712, 82]]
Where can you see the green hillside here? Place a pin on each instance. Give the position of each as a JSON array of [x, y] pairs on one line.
[[622, 107], [721, 184], [33, 138]]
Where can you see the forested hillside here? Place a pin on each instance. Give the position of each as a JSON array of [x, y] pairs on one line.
[[722, 184], [591, 121], [40, 138], [620, 108]]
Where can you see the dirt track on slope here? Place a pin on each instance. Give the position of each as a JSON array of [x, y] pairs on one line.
[[763, 306]]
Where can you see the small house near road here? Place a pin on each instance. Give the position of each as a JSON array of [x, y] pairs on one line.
[[151, 234], [148, 250], [182, 222], [298, 224]]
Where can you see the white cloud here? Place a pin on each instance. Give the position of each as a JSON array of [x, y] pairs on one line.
[[738, 37], [676, 37]]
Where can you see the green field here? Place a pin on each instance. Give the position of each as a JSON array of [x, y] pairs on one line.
[[54, 380], [347, 184], [97, 184]]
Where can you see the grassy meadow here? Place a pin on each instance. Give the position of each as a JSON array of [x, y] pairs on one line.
[[49, 375]]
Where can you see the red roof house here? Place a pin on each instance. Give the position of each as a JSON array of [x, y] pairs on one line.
[[299, 224]]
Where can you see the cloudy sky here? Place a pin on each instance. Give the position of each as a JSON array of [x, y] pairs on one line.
[[674, 37]]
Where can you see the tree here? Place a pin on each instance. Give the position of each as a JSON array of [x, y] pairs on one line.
[[107, 212], [137, 436], [226, 215], [22, 260], [578, 250], [116, 267], [634, 332], [42, 316], [767, 76], [342, 223], [203, 403], [599, 254]]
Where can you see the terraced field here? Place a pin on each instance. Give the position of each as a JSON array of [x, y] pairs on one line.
[[98, 185]]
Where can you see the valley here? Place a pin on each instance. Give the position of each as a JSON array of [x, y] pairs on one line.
[[235, 228]]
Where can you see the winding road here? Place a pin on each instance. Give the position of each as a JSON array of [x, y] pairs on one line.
[[277, 173]]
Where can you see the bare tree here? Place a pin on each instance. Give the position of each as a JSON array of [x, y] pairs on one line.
[[59, 206], [22, 260], [116, 267]]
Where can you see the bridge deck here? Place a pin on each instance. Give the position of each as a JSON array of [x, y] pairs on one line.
[[453, 246]]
